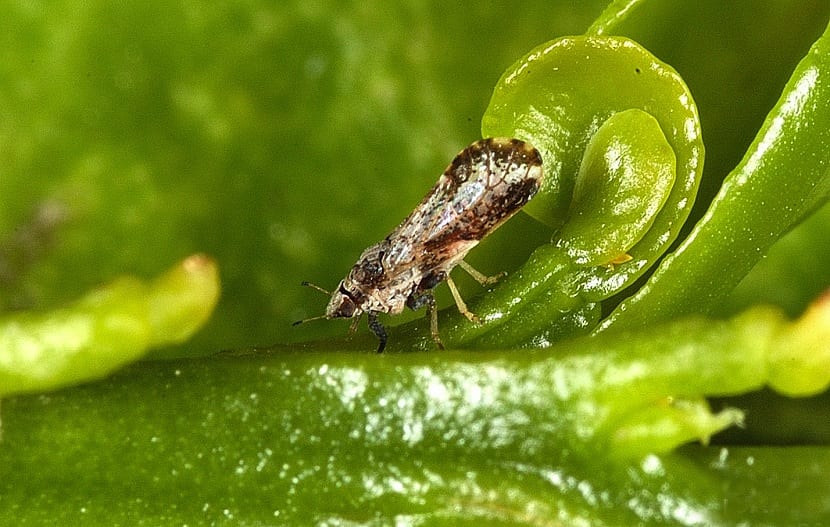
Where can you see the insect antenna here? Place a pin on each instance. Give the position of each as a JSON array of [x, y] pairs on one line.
[[303, 321], [315, 286], [318, 288]]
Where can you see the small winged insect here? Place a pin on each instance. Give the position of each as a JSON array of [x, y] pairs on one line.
[[483, 187]]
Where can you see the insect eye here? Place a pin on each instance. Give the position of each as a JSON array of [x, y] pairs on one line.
[[345, 309]]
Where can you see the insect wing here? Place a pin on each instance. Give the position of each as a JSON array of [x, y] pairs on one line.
[[483, 187]]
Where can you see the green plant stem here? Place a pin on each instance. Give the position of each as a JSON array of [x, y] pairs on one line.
[[287, 436]]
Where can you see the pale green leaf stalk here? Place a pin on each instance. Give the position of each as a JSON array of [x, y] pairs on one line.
[[794, 372], [107, 328]]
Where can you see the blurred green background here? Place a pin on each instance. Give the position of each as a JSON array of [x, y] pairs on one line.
[[284, 138]]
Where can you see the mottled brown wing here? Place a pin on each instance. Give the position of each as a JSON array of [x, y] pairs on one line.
[[485, 184]]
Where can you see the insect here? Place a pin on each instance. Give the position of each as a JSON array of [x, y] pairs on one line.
[[486, 184]]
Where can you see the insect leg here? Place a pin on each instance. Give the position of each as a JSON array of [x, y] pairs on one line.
[[354, 324], [433, 320], [426, 299], [480, 277], [459, 302], [378, 329]]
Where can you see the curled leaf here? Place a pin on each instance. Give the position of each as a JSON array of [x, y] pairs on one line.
[[624, 180], [559, 95], [620, 139]]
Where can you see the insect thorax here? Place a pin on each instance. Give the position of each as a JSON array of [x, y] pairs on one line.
[[381, 280]]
